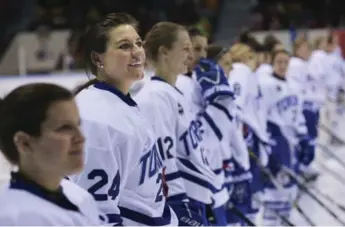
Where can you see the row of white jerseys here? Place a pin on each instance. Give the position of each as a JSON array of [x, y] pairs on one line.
[[24, 203], [188, 142], [249, 101], [284, 107], [232, 147], [123, 169], [311, 88], [219, 155], [325, 74], [264, 69]]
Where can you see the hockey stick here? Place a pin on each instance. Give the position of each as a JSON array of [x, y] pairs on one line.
[[239, 214], [329, 132], [330, 199], [305, 189], [300, 210], [312, 195], [278, 186], [334, 174], [277, 214], [332, 154], [266, 172]]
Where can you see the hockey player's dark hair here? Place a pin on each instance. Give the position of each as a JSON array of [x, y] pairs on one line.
[[161, 34], [215, 52], [194, 31], [96, 38], [270, 42], [274, 54], [25, 109], [260, 48], [246, 38]]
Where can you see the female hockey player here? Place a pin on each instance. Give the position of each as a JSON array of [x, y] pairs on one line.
[[287, 130], [187, 83], [123, 169], [152, 102], [188, 136], [222, 56], [248, 114], [40, 135], [299, 77]]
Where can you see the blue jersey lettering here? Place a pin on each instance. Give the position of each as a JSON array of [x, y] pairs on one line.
[[192, 137], [153, 161], [286, 103]]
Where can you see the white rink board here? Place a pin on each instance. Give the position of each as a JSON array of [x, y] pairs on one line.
[[67, 80]]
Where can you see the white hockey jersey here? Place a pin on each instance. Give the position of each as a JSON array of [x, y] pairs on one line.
[[298, 76], [123, 169], [137, 85], [191, 91], [284, 106], [192, 136], [240, 79], [335, 75], [219, 152], [24, 203], [160, 109], [318, 75], [264, 70]]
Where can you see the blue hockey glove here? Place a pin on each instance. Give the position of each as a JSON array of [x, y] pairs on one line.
[[186, 215], [305, 151], [212, 80]]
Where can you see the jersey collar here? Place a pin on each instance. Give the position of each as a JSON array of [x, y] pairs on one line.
[[189, 74], [106, 87], [278, 77], [21, 182], [157, 78]]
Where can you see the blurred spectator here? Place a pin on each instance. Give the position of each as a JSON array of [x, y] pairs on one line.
[[43, 15], [72, 57], [270, 15], [43, 35]]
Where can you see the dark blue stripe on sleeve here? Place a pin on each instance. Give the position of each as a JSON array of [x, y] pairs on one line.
[[224, 109], [198, 181], [172, 176], [188, 164], [212, 125], [218, 171], [114, 219], [179, 197]]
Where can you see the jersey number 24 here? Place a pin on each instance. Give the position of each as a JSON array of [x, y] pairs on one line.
[[113, 190]]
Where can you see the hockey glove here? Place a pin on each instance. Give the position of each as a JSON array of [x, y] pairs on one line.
[[212, 81], [185, 215], [305, 151]]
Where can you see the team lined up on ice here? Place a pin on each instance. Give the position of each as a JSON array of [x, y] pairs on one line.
[[188, 148]]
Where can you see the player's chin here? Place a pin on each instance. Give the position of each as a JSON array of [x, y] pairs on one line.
[[75, 164], [136, 73], [183, 69]]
